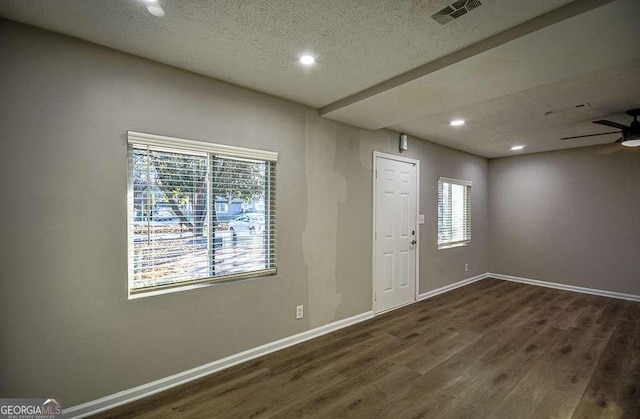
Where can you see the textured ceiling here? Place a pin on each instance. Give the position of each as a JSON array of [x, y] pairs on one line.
[[385, 63], [503, 91], [518, 119], [358, 43]]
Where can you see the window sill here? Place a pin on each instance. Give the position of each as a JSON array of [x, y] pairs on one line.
[[451, 246], [134, 295]]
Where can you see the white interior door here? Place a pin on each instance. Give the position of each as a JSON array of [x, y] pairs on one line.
[[394, 273]]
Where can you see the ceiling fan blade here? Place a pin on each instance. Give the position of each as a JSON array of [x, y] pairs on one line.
[[590, 135], [611, 124]]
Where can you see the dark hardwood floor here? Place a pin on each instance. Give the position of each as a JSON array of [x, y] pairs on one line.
[[492, 349]]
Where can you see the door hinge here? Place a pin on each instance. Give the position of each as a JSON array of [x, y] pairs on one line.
[[375, 296], [376, 235]]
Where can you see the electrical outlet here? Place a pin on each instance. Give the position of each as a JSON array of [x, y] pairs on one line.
[[466, 267], [299, 312]]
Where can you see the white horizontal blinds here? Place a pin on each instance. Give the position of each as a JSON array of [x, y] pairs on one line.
[[454, 212], [245, 232], [170, 224], [195, 216]]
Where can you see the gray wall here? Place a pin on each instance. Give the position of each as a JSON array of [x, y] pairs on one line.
[[568, 216], [68, 329]]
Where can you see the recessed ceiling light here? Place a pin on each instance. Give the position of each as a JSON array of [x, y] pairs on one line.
[[517, 147], [307, 59], [457, 122], [154, 8]]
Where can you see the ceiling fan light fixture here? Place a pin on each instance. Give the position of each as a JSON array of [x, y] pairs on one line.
[[631, 142]]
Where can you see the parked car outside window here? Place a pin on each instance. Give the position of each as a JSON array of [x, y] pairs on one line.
[[162, 214], [249, 222]]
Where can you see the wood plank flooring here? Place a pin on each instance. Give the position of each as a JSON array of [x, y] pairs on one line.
[[492, 349]]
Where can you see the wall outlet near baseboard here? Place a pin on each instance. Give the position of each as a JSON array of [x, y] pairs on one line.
[[466, 267], [299, 312]]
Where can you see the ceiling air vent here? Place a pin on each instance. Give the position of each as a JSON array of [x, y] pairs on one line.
[[454, 11]]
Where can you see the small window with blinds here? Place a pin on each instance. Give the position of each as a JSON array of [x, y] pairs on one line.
[[198, 213], [454, 212]]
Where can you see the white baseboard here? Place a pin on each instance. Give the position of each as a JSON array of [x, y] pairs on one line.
[[450, 287], [127, 396], [565, 287]]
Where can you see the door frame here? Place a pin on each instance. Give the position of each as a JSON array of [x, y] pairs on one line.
[[374, 172]]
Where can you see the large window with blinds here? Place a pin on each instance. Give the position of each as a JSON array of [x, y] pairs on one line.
[[198, 213], [454, 212]]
